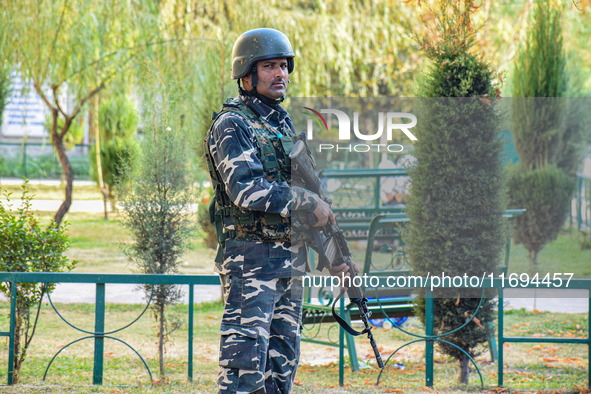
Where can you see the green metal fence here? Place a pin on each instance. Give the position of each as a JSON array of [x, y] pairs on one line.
[[99, 335], [39, 160], [496, 283]]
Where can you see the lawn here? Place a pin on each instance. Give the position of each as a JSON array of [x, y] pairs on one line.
[[97, 245], [562, 255], [527, 367]]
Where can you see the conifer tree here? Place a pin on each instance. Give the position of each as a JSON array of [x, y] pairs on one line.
[[546, 137], [157, 209], [455, 206]]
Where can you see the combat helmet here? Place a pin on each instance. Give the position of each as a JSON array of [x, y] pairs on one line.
[[259, 44]]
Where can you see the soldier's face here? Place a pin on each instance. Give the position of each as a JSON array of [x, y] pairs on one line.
[[271, 78]]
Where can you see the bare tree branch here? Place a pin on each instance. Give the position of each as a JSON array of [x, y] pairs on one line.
[[42, 95], [134, 47], [56, 100], [57, 31]]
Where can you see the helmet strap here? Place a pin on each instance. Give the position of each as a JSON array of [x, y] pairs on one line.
[[255, 78]]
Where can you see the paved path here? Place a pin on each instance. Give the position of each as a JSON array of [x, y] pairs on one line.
[[549, 300], [91, 206], [569, 301], [125, 293]]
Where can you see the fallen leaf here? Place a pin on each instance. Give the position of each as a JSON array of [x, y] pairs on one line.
[[550, 359], [297, 382]]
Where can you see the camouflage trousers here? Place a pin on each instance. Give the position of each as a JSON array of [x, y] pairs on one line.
[[260, 335]]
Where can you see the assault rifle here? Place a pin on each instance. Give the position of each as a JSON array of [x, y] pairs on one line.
[[329, 241]]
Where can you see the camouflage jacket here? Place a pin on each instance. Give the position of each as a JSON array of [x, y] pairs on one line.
[[234, 148]]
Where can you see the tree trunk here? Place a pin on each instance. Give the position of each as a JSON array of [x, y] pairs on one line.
[[105, 205], [464, 369], [58, 144], [17, 343], [161, 340], [94, 126]]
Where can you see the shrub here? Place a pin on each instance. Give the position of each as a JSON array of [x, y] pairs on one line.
[[118, 122], [545, 193], [27, 247], [156, 205]]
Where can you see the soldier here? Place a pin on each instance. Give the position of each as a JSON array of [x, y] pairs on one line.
[[260, 265]]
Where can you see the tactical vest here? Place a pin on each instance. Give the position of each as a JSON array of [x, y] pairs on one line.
[[232, 221]]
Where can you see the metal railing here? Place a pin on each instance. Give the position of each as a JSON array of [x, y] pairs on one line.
[[19, 160], [99, 335], [496, 283]]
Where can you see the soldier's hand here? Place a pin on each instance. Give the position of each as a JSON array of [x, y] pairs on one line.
[[323, 214], [342, 269], [339, 270]]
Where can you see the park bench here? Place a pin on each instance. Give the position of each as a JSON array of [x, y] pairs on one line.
[[384, 256], [355, 196]]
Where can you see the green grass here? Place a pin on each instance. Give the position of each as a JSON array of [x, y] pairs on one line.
[[123, 371], [528, 367], [562, 255], [97, 245]]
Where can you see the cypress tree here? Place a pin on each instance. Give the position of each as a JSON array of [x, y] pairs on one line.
[[546, 139], [455, 207]]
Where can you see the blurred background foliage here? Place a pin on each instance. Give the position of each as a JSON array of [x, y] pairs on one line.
[[343, 48]]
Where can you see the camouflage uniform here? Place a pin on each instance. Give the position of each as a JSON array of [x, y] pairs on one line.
[[260, 267]]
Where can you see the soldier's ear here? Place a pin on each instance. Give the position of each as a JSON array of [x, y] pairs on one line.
[[247, 82]]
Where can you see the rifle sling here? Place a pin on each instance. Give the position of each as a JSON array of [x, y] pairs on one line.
[[342, 321]]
